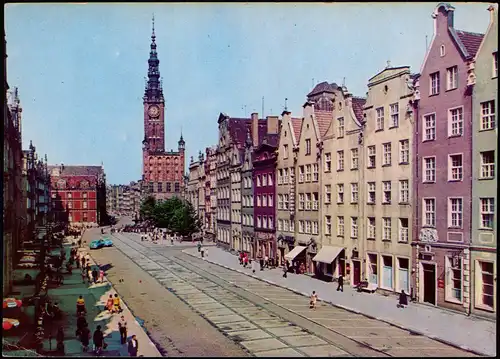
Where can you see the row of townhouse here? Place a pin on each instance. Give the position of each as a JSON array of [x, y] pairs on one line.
[[398, 188]]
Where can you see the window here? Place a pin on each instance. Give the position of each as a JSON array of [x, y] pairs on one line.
[[264, 180], [354, 158], [488, 115], [315, 201], [177, 187], [429, 169], [371, 228], [301, 174], [453, 279], [495, 64], [328, 193], [487, 164], [380, 118], [429, 216], [340, 193], [485, 280], [442, 50], [259, 203], [371, 157], [259, 222], [354, 227], [404, 152], [270, 179], [258, 181], [270, 222], [340, 160], [84, 194], [429, 127], [354, 193], [387, 154], [308, 146], [340, 226], [403, 230], [70, 195], [455, 121], [315, 228], [394, 108], [280, 224], [301, 201], [371, 192], [280, 178], [434, 90], [70, 204], [308, 173], [386, 188], [403, 275], [487, 212], [372, 262], [301, 226], [308, 227], [285, 152], [280, 201], [340, 128], [285, 201], [452, 78], [455, 212], [455, 168], [84, 204], [328, 225], [315, 172], [308, 201], [404, 191], [328, 162], [160, 187], [387, 272], [285, 176], [270, 200], [285, 225]]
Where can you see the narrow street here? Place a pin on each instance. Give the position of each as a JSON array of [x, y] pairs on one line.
[[264, 319]]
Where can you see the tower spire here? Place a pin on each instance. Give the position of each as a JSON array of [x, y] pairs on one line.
[[153, 92]]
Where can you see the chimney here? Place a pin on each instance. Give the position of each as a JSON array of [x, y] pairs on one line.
[[272, 124], [255, 128]]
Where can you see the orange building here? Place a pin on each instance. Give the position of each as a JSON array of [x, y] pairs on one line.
[[163, 171]]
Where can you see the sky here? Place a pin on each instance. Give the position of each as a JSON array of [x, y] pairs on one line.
[[80, 68]]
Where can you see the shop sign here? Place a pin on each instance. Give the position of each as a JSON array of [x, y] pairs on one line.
[[440, 283]]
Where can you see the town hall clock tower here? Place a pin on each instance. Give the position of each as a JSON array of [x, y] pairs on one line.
[[162, 171]]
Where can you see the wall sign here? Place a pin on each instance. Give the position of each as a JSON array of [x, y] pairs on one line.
[[428, 235]]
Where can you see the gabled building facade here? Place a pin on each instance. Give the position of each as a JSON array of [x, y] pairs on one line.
[[443, 166], [210, 193], [387, 173], [342, 189], [247, 200], [285, 184], [485, 173]]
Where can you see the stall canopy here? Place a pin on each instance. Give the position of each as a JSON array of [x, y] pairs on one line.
[[327, 254], [294, 253]]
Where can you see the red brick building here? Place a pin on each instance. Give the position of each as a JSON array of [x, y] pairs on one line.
[[163, 171], [77, 195]]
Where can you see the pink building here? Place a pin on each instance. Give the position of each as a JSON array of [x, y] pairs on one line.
[[442, 166]]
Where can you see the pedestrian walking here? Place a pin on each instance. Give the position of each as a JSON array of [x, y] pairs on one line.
[[261, 260], [245, 260], [285, 270], [241, 258], [266, 261], [202, 252], [89, 274], [95, 274], [101, 275], [85, 337], [84, 274], [60, 341], [98, 340], [403, 299], [122, 327], [133, 346], [340, 287], [80, 305], [313, 299]]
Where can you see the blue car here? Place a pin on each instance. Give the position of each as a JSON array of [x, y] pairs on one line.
[[107, 242], [96, 244]]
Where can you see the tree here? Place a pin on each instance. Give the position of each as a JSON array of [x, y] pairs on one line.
[[176, 215], [147, 208]]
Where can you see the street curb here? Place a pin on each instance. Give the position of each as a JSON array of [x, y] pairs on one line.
[[126, 307], [417, 331]]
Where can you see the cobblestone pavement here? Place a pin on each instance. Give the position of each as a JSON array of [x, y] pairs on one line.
[[172, 325], [268, 320], [469, 333]]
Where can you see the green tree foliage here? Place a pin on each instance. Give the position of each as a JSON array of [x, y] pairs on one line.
[[174, 214], [147, 208]]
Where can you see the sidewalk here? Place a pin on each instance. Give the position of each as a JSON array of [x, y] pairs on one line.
[[469, 333], [95, 296]]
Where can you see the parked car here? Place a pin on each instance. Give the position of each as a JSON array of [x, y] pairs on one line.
[[96, 244], [107, 242]]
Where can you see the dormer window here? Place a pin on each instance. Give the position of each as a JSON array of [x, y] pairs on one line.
[[442, 51]]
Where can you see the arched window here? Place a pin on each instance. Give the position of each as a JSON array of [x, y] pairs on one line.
[[442, 50]]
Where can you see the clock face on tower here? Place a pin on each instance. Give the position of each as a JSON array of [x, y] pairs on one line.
[[154, 111]]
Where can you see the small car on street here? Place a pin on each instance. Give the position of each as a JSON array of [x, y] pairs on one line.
[[96, 244], [107, 242]]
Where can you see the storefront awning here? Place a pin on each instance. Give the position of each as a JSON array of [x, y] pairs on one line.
[[327, 254], [294, 253]]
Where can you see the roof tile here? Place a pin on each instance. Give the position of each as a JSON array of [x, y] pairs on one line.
[[296, 125], [78, 170], [470, 40], [357, 107], [323, 119]]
